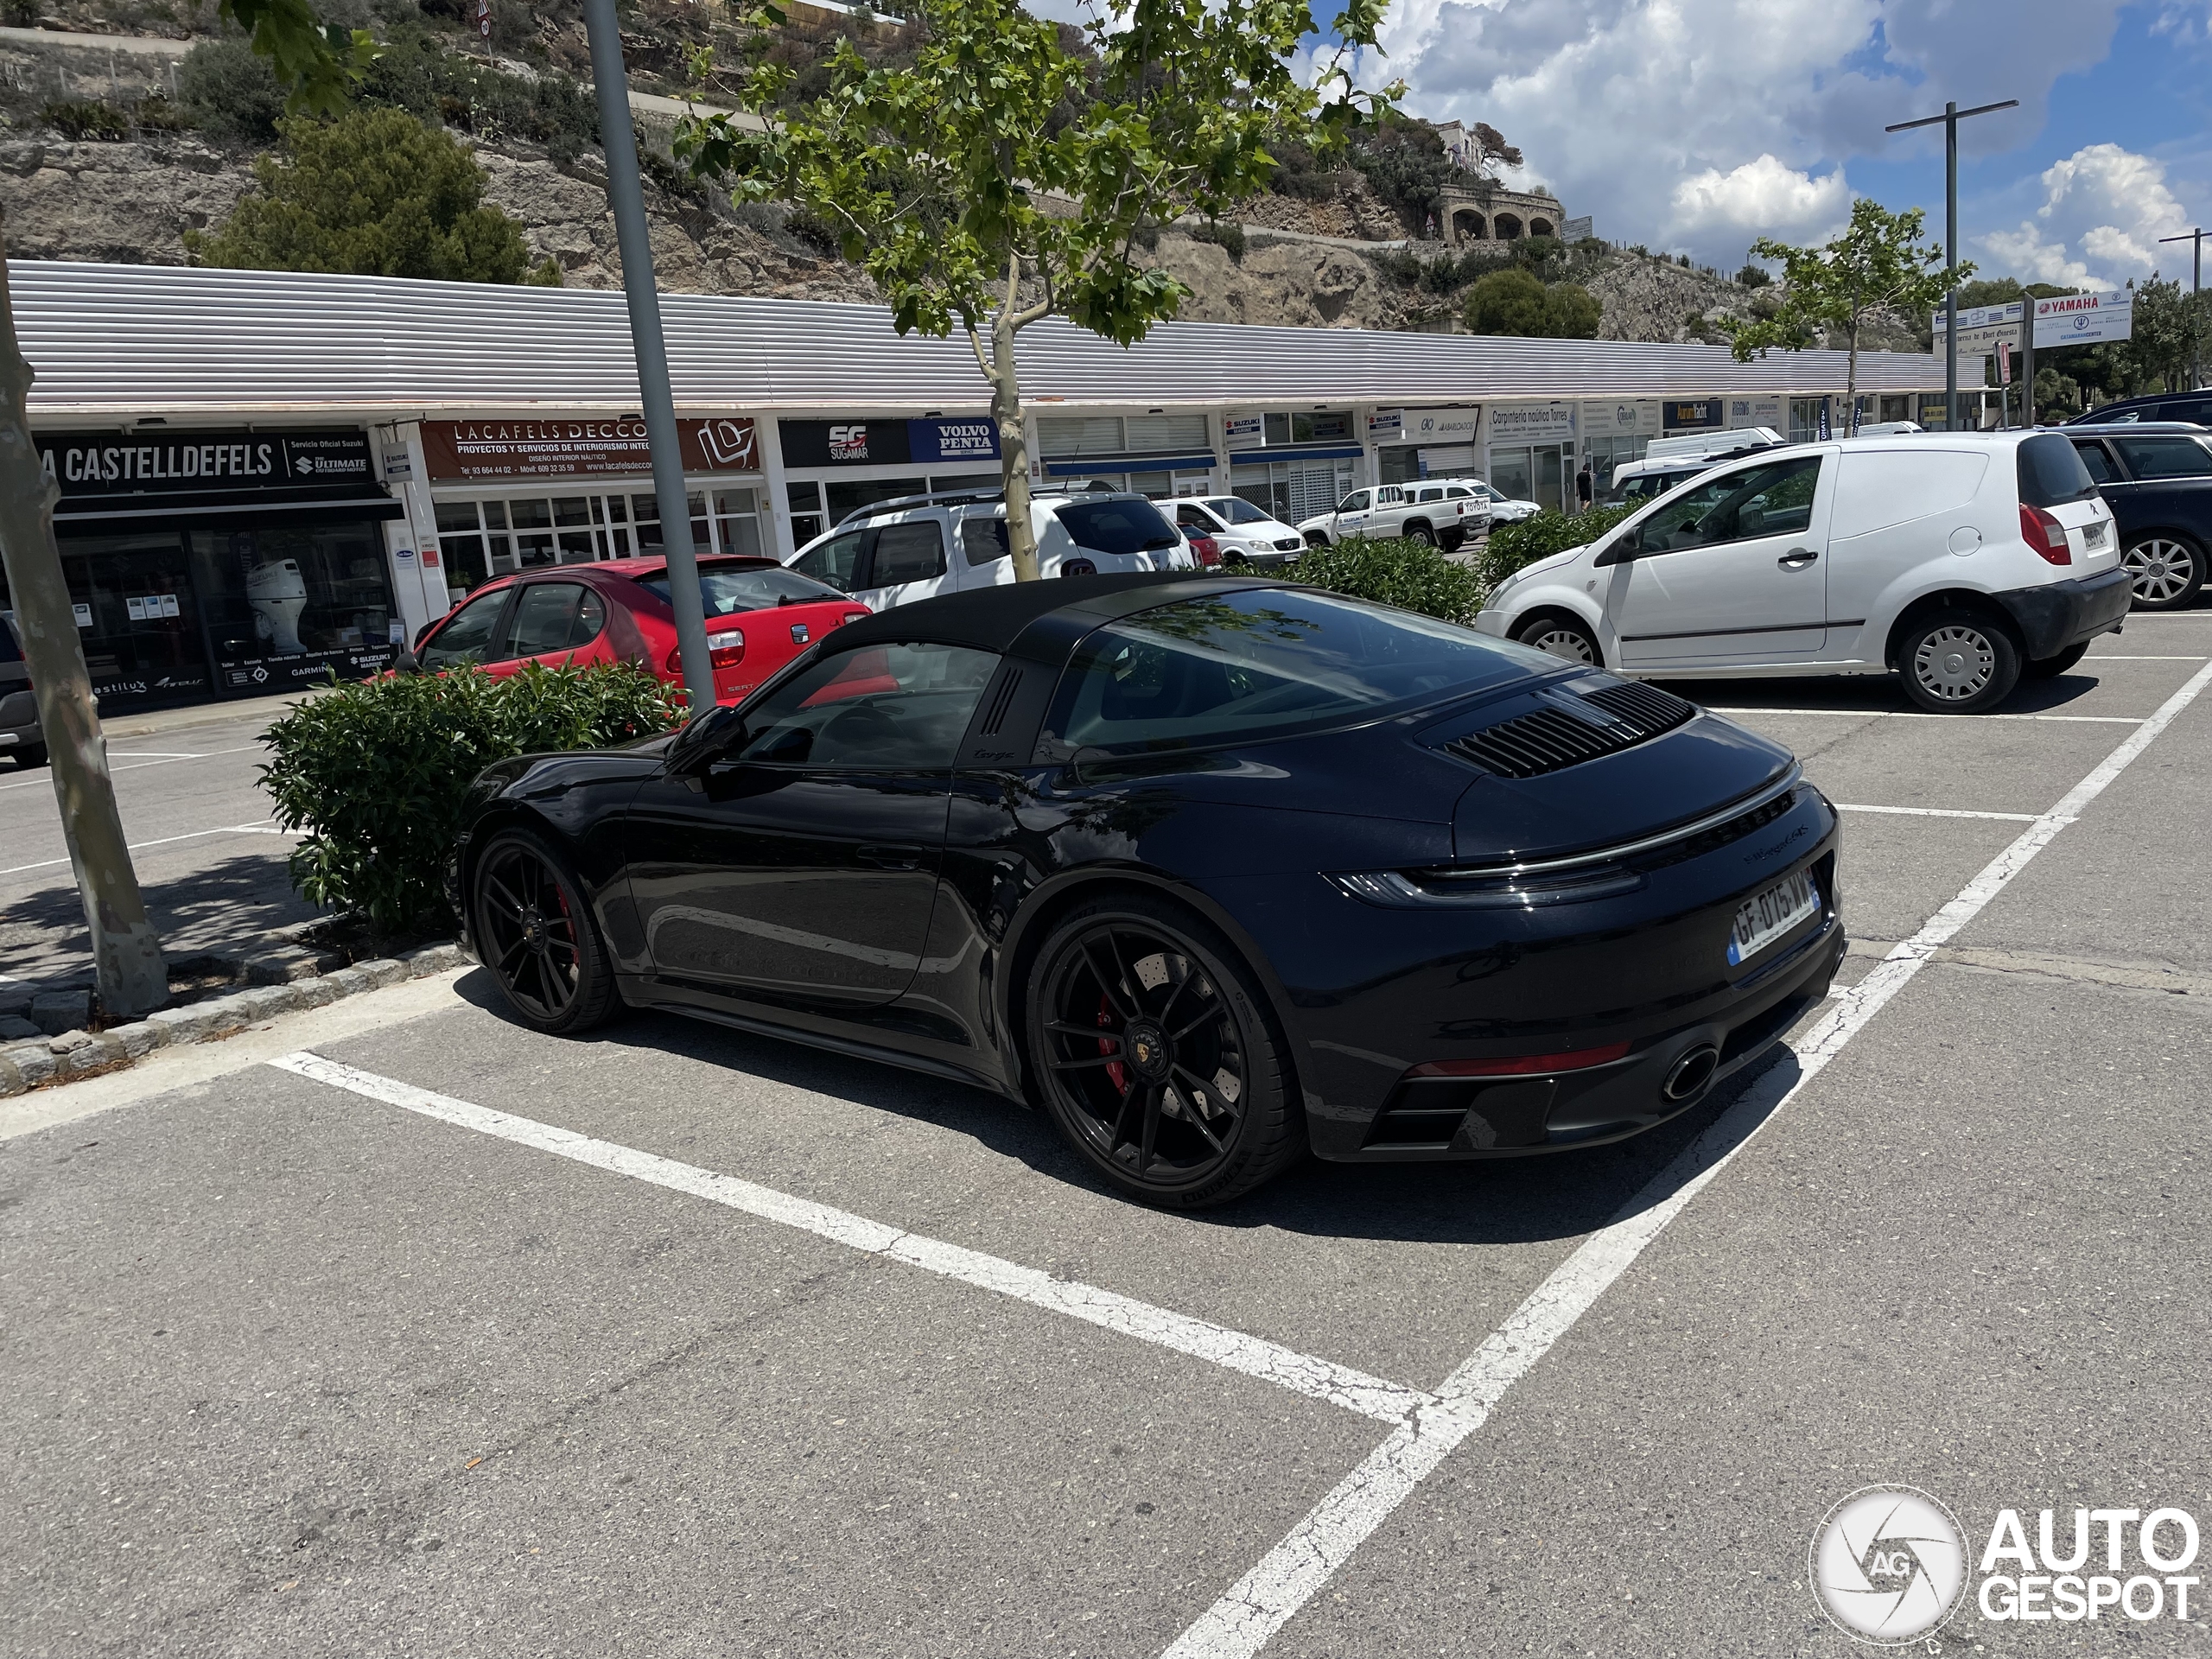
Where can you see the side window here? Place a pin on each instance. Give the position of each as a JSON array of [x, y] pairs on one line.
[[591, 617], [835, 562], [983, 540], [1776, 499], [467, 636], [902, 707], [542, 621], [2165, 457], [2199, 413], [1388, 496], [1356, 502], [1191, 518], [2094, 457], [1456, 493], [908, 553]]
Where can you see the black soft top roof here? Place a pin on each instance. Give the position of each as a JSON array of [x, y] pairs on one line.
[[992, 619]]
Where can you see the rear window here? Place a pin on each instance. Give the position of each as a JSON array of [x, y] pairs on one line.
[[2051, 472], [1119, 527], [2166, 457], [1261, 663], [10, 651], [728, 592]]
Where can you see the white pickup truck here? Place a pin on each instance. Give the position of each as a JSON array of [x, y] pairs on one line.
[[1442, 511]]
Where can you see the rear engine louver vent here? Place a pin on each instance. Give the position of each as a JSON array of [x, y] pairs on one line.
[[1552, 740], [1001, 700]]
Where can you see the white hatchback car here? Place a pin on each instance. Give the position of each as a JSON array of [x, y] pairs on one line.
[[919, 546], [1958, 561], [1240, 528]]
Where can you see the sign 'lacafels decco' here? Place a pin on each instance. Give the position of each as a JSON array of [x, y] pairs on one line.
[[1891, 1564]]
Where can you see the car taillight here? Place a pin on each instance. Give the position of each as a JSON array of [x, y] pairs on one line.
[[727, 649], [675, 662], [2044, 534]]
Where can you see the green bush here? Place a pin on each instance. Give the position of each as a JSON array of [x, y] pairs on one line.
[[1539, 536], [1227, 234], [79, 120], [230, 91], [376, 772], [1400, 571]]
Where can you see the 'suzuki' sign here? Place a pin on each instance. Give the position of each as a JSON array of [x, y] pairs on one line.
[[198, 463], [580, 448]]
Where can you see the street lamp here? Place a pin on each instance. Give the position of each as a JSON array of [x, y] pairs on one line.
[[2195, 287], [1951, 116]]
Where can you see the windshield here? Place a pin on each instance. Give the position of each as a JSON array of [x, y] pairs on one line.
[[2051, 472], [1119, 527], [1261, 663], [728, 592], [1235, 509]]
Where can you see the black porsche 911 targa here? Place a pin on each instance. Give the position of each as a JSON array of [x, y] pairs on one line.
[[1214, 870]]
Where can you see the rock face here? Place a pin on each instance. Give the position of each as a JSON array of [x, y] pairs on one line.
[[1646, 298], [127, 203], [1292, 284]]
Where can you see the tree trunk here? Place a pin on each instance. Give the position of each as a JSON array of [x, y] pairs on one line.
[[1013, 449], [1851, 379], [126, 953]]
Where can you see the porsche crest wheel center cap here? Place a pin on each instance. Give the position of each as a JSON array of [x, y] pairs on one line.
[[1146, 1044]]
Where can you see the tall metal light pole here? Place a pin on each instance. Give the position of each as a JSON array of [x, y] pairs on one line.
[[626, 197], [1951, 116], [2195, 287]]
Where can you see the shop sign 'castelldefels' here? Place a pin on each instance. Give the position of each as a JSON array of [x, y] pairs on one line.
[[581, 447]]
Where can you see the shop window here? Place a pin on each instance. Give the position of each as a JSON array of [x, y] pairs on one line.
[[846, 498], [737, 522], [645, 509], [805, 501], [138, 616], [267, 595], [1320, 426]]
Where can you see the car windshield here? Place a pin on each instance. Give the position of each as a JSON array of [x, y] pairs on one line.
[[728, 591], [1118, 527], [2051, 473], [1261, 663], [1235, 509]]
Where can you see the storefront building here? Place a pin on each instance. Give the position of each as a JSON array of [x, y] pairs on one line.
[[270, 475], [226, 562]]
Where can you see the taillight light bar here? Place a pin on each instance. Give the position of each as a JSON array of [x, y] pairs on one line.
[[2044, 534]]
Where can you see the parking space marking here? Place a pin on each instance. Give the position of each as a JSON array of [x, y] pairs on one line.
[[2114, 656], [1914, 714], [263, 829], [149, 759], [1255, 1356], [1289, 1576], [1938, 812]]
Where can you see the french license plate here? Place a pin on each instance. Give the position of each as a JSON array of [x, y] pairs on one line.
[[2093, 533], [1770, 914]]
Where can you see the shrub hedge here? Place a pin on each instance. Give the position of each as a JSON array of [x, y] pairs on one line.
[[377, 773], [1539, 536], [1399, 571]]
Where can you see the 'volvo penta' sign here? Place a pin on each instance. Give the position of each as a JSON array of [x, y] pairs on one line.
[[882, 441]]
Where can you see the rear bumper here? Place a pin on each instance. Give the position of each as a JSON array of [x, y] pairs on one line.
[[2063, 614]]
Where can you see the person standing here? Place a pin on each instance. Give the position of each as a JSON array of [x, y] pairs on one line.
[[1583, 485]]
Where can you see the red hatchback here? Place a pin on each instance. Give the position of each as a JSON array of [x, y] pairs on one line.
[[758, 617]]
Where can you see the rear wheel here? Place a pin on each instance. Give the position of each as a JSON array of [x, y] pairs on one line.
[[535, 932], [2164, 571], [1421, 532], [1958, 662], [1154, 1051], [2049, 668], [1563, 637]]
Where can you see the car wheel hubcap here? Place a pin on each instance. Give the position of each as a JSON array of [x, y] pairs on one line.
[[2161, 571], [1142, 1054], [530, 935], [1564, 642], [1954, 664]]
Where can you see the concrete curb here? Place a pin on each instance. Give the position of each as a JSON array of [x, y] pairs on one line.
[[76, 1054]]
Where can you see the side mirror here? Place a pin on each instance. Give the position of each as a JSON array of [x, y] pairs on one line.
[[1629, 544], [711, 735]]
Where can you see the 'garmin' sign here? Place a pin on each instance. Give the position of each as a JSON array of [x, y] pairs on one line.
[[192, 463]]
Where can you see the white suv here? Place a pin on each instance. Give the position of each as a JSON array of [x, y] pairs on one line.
[[919, 546], [1442, 511], [1957, 561]]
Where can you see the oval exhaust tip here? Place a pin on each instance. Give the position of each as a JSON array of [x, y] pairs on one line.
[[1692, 1073]]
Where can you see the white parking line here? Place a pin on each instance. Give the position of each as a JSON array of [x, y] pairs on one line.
[[2114, 657], [1938, 812], [1914, 714], [1289, 1575], [1317, 1379], [149, 758], [263, 829]]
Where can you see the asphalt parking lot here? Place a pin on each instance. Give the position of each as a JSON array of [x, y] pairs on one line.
[[396, 1329]]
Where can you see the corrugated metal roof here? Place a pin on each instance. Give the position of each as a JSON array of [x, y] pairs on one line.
[[136, 339]]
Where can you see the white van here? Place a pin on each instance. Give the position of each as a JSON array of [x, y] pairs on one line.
[[1958, 561], [918, 546]]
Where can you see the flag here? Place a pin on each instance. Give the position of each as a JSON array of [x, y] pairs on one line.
[[1824, 420]]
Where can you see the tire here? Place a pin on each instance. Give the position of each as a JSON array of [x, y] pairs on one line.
[[1317, 538], [1421, 532], [1155, 1054], [1562, 637], [31, 755], [2049, 668], [535, 933], [1958, 662], [2164, 569]]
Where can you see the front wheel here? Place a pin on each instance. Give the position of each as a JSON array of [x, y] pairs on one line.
[[1154, 1051], [1958, 662], [1317, 538], [1563, 637], [2049, 668], [2163, 570], [534, 930]]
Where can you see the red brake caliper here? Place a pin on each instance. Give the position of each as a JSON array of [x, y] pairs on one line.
[[1115, 1071]]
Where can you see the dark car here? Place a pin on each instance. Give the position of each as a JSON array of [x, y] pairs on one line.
[[1213, 870], [2157, 478], [20, 735], [2195, 407]]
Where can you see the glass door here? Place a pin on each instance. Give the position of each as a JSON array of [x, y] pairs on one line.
[[137, 617]]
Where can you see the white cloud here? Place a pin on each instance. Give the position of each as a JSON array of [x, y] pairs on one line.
[[2104, 209], [1762, 197]]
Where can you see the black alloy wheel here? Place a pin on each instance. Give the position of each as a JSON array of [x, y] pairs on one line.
[[1155, 1058], [535, 933]]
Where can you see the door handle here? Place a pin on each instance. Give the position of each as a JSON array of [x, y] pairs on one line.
[[891, 858], [1797, 558]]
